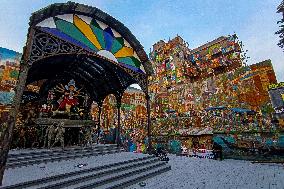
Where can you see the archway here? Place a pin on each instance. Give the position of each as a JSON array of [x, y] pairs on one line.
[[70, 41], [134, 118], [109, 118]]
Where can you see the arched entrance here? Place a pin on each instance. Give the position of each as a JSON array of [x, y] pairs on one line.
[[70, 41], [109, 119]]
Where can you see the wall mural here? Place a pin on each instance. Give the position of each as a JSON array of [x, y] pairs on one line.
[[215, 100], [225, 88], [9, 70], [133, 117], [207, 90], [257, 145], [276, 93]]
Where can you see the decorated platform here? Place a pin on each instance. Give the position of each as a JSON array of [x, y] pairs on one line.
[[67, 122]]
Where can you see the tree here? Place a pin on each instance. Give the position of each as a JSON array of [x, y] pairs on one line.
[[281, 34]]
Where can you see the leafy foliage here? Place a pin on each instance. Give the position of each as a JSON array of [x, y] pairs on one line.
[[281, 34]]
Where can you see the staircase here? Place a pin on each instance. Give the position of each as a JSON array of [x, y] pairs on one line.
[[44, 156], [116, 175]]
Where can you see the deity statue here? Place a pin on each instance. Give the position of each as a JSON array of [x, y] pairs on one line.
[[69, 99]]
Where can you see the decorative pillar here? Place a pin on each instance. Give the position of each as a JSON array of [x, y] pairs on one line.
[[118, 106], [99, 120], [149, 148]]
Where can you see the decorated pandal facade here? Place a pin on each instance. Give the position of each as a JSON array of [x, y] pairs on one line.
[[77, 55], [70, 103], [194, 94], [208, 90], [202, 95]]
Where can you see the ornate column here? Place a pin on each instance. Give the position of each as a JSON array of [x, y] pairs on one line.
[[149, 148], [99, 120], [118, 106]]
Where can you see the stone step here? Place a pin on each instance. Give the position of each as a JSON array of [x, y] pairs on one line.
[[105, 179], [45, 151], [87, 176], [56, 152], [41, 155], [61, 177], [60, 157], [122, 183], [51, 151]]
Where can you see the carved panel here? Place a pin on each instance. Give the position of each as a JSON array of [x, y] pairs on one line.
[[45, 45]]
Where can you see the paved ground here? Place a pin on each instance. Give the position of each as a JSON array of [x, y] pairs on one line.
[[190, 173]]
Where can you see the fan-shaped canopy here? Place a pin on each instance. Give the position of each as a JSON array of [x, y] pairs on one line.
[[74, 41]]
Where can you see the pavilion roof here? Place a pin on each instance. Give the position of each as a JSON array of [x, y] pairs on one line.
[[74, 41]]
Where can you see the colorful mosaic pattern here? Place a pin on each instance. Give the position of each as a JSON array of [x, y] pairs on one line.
[[224, 53], [95, 36], [227, 89], [9, 71], [133, 110], [189, 82], [174, 63]]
